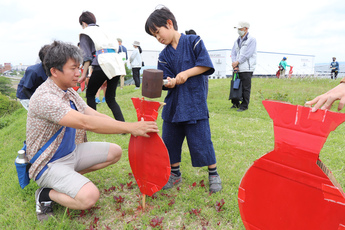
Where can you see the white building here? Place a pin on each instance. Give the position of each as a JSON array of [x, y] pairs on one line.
[[267, 63], [20, 67]]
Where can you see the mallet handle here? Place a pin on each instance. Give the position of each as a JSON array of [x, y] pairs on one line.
[[165, 81]]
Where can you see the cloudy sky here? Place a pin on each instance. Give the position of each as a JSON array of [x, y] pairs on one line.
[[293, 27]]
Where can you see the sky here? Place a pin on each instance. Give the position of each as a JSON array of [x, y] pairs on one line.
[[289, 27]]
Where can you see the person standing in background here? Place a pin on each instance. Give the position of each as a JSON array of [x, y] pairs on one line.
[[123, 52], [282, 66], [136, 63], [334, 68], [243, 55], [101, 59]]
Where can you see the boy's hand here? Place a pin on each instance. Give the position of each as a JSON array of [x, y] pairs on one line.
[[181, 78], [171, 83]]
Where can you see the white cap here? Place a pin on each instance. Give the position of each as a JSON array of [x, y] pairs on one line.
[[242, 24], [136, 43]]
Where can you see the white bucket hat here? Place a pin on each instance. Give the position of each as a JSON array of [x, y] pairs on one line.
[[136, 43]]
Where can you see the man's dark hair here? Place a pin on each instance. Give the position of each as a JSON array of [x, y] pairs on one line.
[[58, 54], [43, 52], [87, 17], [159, 18]]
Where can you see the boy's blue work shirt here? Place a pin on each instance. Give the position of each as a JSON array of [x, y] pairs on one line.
[[33, 77], [188, 101]]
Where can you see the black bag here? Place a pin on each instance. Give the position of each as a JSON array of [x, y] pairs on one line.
[[236, 88]]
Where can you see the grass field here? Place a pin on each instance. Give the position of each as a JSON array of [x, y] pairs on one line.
[[238, 138]]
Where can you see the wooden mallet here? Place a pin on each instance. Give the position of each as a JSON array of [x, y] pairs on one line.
[[152, 83]]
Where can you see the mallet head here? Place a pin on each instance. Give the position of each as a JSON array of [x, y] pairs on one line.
[[152, 83]]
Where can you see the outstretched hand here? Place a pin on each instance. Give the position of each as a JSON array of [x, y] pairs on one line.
[[142, 128], [326, 100]]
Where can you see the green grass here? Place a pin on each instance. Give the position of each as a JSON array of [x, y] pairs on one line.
[[238, 138]]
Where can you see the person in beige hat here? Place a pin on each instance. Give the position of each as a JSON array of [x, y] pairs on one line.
[[136, 63]]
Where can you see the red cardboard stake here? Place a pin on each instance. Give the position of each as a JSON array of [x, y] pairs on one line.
[[148, 157], [289, 187]]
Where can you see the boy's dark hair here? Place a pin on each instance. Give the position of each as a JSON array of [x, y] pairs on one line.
[[43, 51], [189, 32], [159, 18], [58, 54], [87, 17]]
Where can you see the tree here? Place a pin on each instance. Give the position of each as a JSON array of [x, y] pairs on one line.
[[6, 86]]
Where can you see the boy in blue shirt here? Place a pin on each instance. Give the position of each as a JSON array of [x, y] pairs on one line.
[[185, 62], [33, 77]]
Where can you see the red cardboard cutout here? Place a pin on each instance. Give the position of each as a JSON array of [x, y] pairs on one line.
[[289, 187], [290, 71], [148, 157]]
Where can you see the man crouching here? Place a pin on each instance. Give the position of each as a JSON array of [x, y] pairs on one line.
[[55, 108]]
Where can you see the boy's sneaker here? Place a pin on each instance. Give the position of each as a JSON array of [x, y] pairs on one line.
[[173, 180], [43, 209], [103, 100], [215, 183], [97, 100]]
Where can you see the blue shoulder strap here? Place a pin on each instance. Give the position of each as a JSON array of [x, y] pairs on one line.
[[38, 154]]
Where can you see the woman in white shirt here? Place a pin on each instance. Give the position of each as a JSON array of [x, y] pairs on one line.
[[136, 63]]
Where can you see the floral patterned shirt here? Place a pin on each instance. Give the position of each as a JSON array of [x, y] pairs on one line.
[[48, 105]]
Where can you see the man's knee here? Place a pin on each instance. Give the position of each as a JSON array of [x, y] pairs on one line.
[[115, 153], [87, 196]]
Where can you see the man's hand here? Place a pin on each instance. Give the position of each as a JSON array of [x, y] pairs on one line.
[[142, 128], [100, 123], [235, 64], [326, 100]]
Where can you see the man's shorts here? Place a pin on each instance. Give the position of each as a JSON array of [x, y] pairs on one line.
[[198, 135], [62, 175], [25, 103]]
